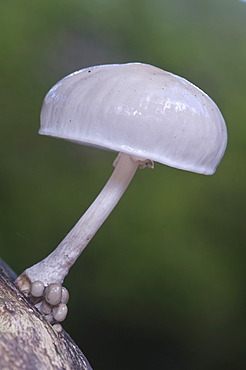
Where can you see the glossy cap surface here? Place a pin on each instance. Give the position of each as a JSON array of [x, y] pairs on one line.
[[138, 109]]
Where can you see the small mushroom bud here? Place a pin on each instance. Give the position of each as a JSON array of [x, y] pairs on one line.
[[53, 294], [60, 312], [37, 289], [57, 327], [65, 295], [45, 308]]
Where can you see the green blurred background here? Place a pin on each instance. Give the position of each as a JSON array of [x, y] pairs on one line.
[[162, 284]]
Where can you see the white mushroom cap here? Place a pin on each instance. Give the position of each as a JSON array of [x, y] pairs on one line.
[[140, 110]]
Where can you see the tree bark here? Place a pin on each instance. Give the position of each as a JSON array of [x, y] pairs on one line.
[[27, 340]]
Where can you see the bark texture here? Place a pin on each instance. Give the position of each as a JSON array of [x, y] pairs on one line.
[[27, 340]]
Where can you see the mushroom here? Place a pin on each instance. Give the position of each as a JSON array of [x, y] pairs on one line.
[[144, 113]]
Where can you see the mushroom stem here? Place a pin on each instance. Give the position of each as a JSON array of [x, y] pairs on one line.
[[56, 265]]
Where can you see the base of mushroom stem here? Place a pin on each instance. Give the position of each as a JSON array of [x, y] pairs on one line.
[[51, 300]]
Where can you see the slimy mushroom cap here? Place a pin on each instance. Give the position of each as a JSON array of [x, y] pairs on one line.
[[140, 110]]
